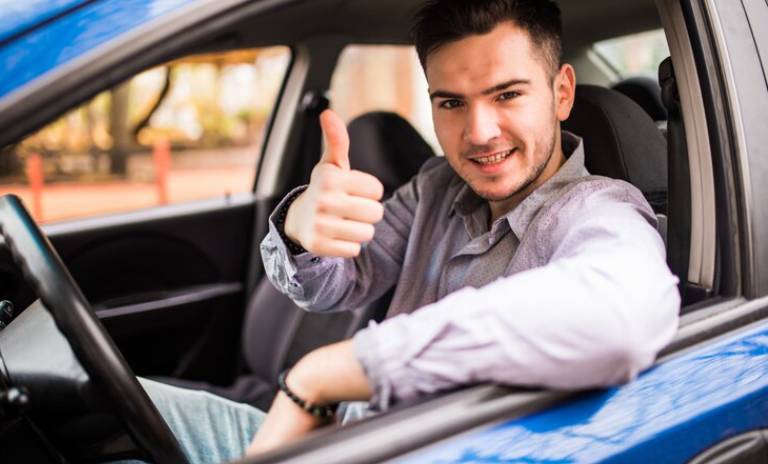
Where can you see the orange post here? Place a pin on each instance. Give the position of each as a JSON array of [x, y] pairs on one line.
[[35, 178], [161, 155]]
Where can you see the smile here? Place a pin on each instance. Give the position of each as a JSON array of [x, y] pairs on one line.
[[495, 158]]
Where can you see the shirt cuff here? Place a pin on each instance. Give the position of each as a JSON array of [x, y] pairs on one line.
[[379, 348], [366, 351], [282, 266], [393, 353], [278, 216]]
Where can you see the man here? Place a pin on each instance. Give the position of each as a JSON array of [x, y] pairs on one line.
[[511, 263]]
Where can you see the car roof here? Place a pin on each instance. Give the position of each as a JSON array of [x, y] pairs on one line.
[[17, 18], [584, 21], [41, 36]]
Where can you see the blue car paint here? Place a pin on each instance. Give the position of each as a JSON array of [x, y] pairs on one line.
[[669, 414], [43, 49], [17, 17]]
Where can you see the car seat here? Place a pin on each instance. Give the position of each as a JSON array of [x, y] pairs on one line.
[[276, 333], [646, 92], [622, 141]]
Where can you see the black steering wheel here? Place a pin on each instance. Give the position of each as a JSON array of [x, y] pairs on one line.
[[95, 350]]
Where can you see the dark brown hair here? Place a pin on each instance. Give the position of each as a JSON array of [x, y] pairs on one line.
[[442, 21]]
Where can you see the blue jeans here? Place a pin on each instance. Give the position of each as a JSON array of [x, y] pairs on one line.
[[209, 428]]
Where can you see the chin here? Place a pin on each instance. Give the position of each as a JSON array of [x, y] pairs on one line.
[[494, 195], [490, 193]]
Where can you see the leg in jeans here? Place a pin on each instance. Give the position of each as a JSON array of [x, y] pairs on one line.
[[209, 428]]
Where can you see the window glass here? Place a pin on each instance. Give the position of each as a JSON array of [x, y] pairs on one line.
[[636, 54], [383, 78], [188, 130]]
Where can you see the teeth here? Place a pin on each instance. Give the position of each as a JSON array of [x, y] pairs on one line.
[[493, 159]]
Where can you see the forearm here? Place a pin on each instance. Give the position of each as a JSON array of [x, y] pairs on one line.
[[325, 376], [331, 374], [571, 324]]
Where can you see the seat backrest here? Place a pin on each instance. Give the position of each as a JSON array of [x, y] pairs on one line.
[[646, 92], [621, 141], [276, 332], [386, 145]]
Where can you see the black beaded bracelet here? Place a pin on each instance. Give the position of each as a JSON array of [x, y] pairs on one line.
[[292, 246], [325, 411]]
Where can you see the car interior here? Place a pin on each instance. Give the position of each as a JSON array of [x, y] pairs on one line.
[[181, 291]]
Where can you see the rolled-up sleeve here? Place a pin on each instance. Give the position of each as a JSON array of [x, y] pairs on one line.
[[595, 315]]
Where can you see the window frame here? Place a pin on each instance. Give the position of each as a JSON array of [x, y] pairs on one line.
[[203, 203], [179, 33]]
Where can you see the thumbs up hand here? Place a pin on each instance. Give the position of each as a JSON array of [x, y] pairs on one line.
[[337, 211]]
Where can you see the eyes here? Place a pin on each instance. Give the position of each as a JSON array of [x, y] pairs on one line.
[[454, 103], [450, 104], [509, 95]]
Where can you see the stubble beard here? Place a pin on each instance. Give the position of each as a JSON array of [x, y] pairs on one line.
[[532, 176]]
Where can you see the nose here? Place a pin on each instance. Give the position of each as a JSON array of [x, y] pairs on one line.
[[482, 125]]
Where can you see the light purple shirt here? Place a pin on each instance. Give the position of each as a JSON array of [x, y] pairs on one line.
[[568, 290]]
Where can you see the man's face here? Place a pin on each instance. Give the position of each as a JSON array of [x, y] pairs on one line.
[[496, 112]]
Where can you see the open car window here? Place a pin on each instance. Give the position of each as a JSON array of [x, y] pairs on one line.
[[383, 78], [635, 54], [190, 129]]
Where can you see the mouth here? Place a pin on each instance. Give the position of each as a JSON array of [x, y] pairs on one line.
[[495, 158]]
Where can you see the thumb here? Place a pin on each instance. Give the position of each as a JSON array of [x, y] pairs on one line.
[[336, 140]]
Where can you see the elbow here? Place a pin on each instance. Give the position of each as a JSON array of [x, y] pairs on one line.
[[624, 360], [633, 349], [606, 361], [634, 344]]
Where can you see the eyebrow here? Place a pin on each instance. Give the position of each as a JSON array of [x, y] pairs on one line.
[[488, 91]]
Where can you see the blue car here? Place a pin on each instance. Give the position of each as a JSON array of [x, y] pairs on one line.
[[144, 144]]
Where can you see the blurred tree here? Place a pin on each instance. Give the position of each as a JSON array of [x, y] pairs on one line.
[[119, 129], [10, 162]]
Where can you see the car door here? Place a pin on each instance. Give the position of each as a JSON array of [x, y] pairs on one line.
[[161, 239]]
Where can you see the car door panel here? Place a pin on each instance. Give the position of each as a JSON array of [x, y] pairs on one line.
[[167, 284]]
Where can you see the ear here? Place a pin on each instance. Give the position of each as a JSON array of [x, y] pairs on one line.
[[564, 91]]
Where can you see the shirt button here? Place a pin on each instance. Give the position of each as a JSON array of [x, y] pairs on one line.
[[315, 260]]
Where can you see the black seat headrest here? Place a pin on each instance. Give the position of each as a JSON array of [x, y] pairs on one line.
[[620, 141], [646, 92], [387, 146]]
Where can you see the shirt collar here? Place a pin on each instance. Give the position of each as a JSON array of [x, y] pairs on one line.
[[467, 202]]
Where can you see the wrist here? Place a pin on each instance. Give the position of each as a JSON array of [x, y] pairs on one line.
[[331, 374], [290, 225], [304, 399], [303, 381]]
